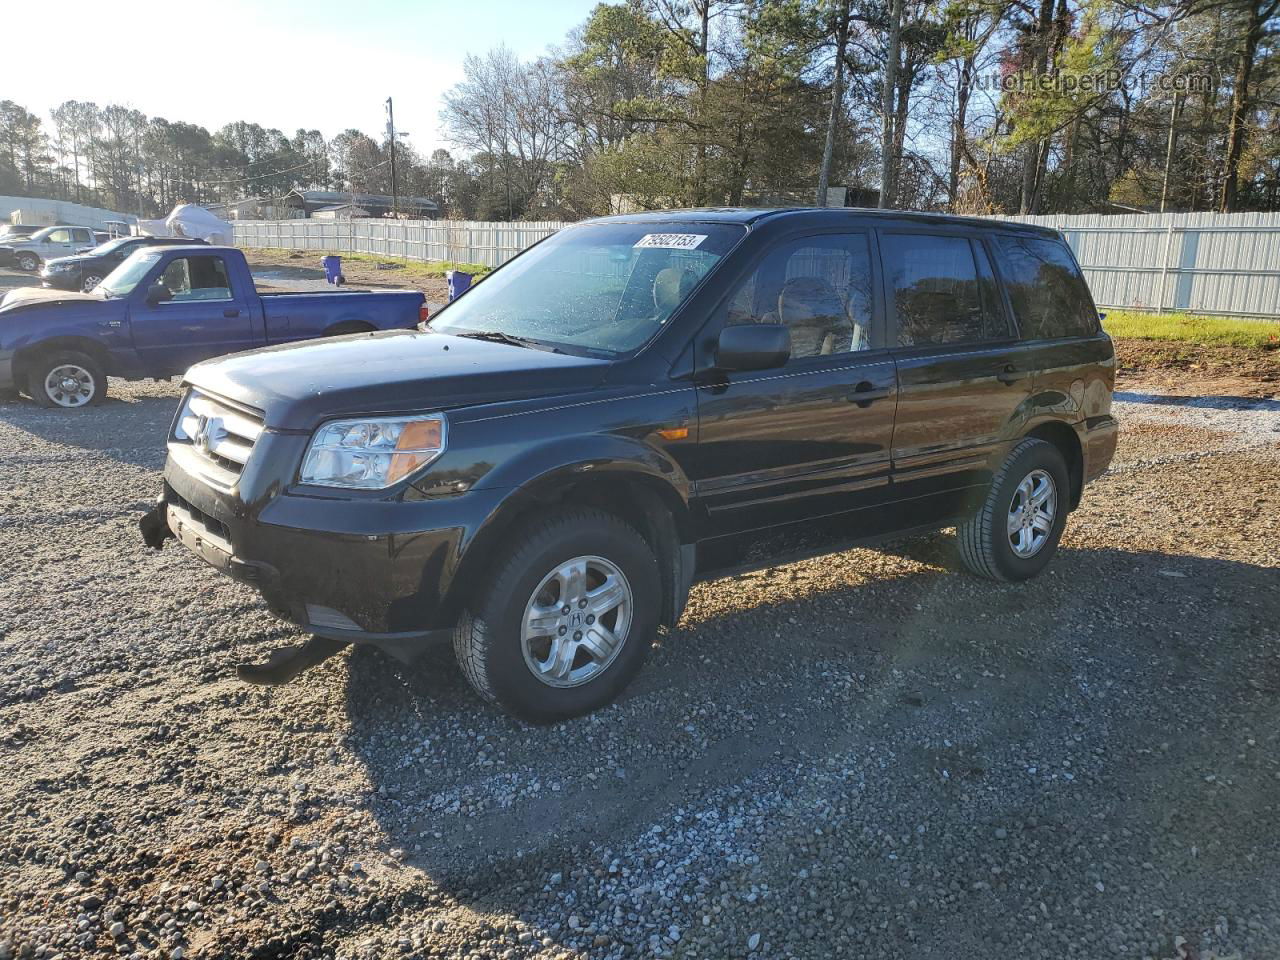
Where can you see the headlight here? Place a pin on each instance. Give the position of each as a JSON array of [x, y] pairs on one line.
[[56, 267], [374, 453]]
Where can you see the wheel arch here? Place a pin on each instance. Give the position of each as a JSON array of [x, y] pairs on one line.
[[31, 353], [348, 325], [647, 503], [1065, 438]]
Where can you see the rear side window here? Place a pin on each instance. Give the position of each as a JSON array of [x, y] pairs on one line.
[[937, 297], [1049, 296]]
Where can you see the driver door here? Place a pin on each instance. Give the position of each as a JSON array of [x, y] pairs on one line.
[[812, 438], [204, 317]]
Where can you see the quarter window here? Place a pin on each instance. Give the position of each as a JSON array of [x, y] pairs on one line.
[[197, 278], [1049, 296], [820, 287], [937, 297]]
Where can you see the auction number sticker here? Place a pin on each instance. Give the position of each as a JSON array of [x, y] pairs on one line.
[[671, 241]]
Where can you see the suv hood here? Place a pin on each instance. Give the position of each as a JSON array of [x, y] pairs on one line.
[[32, 296], [299, 385]]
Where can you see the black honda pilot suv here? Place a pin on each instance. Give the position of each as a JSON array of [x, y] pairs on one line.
[[542, 471]]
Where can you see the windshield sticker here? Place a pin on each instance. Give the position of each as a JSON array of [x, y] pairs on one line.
[[671, 241]]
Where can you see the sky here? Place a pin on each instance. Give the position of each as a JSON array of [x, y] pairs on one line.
[[319, 64]]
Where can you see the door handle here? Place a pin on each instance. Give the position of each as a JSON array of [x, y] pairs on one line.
[[231, 312], [1011, 374], [865, 393]]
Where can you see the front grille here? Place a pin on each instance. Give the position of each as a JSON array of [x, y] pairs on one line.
[[218, 432]]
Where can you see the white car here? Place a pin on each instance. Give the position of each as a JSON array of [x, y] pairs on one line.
[[29, 253]]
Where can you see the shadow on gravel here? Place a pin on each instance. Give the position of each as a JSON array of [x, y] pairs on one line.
[[1199, 402], [964, 685], [131, 431]]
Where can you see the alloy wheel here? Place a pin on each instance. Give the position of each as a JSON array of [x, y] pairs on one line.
[[1031, 513], [577, 621], [70, 385]]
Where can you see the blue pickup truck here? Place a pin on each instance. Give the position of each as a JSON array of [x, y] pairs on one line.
[[162, 310]]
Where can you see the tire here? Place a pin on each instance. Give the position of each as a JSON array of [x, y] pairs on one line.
[[89, 282], [1008, 537], [27, 261], [514, 665], [48, 391]]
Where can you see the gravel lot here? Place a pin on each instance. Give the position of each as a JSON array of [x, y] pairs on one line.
[[864, 755]]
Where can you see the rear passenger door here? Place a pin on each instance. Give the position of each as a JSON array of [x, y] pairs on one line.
[[811, 438], [205, 318], [963, 377]]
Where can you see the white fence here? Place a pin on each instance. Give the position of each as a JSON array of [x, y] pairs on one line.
[[1211, 263], [462, 241]]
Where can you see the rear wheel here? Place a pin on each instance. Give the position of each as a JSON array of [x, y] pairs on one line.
[[28, 261], [1014, 532], [564, 623], [67, 379]]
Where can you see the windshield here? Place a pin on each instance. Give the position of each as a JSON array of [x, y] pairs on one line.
[[110, 245], [596, 287], [121, 281]]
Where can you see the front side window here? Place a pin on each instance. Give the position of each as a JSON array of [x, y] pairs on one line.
[[937, 298], [196, 278], [599, 288], [59, 236], [1048, 294], [819, 287]]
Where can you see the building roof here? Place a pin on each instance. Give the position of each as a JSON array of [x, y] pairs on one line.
[[345, 197]]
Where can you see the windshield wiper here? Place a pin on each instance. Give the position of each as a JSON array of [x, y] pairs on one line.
[[497, 336]]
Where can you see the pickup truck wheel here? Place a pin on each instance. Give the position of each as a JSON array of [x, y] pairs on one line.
[[29, 262], [564, 622], [89, 282], [1014, 532], [67, 379]]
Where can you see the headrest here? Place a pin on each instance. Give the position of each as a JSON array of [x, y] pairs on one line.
[[808, 300], [671, 286]]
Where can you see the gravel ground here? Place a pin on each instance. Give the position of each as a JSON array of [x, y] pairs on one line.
[[864, 755]]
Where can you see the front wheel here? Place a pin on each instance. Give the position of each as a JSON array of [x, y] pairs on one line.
[[562, 625], [67, 379], [29, 262], [90, 281], [1014, 532]]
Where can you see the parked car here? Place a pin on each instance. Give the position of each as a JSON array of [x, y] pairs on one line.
[[542, 471], [86, 270], [162, 310], [29, 252]]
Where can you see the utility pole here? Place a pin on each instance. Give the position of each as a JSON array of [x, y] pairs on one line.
[[1168, 154], [391, 138]]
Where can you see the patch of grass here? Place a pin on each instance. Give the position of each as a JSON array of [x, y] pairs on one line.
[[431, 268], [1210, 331]]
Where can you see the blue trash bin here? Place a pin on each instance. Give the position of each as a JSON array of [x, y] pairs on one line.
[[459, 283], [333, 270]]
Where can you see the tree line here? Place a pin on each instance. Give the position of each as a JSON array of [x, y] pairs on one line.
[[972, 106]]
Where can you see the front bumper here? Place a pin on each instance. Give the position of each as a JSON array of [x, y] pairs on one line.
[[361, 570], [61, 280]]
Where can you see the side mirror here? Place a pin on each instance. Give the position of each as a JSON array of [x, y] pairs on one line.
[[158, 293], [753, 346]]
